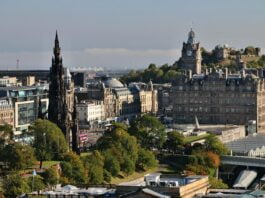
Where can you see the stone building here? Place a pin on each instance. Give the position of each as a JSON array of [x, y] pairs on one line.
[[149, 99], [122, 101], [28, 81], [6, 112], [90, 111], [191, 55], [7, 81], [219, 98], [222, 52]]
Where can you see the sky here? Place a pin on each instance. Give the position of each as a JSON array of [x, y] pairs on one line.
[[122, 34]]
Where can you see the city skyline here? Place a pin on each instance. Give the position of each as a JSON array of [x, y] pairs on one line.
[[122, 34]]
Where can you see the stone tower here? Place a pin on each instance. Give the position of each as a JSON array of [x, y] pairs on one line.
[[191, 55], [58, 110]]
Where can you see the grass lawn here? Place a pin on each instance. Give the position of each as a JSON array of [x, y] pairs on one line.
[[161, 168], [135, 175], [84, 154], [190, 139], [48, 164]]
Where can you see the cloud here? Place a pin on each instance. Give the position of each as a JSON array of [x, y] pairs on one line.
[[109, 58]]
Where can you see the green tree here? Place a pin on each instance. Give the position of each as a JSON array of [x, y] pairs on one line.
[[6, 135], [36, 184], [170, 76], [107, 176], [112, 165], [67, 170], [149, 131], [119, 144], [217, 183], [261, 61], [49, 141], [51, 176], [128, 167], [18, 156], [146, 159], [15, 185], [152, 67], [96, 174], [175, 141], [94, 163], [73, 168], [212, 143]]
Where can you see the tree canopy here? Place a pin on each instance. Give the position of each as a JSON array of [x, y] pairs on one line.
[[15, 185], [49, 141], [73, 168], [6, 135], [17, 156], [163, 74], [212, 143], [175, 141], [149, 131]]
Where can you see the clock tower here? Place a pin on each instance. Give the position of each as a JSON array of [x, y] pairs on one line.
[[191, 55]]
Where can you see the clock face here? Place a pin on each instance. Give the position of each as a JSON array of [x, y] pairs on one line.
[[189, 53]]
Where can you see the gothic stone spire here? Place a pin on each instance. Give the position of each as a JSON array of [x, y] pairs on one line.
[[57, 92]]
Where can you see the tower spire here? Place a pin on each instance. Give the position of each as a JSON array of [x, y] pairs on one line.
[[56, 49], [56, 41]]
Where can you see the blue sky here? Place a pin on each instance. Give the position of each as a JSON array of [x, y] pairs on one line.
[[122, 33]]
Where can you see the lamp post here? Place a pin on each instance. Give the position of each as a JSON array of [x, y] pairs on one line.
[[33, 175]]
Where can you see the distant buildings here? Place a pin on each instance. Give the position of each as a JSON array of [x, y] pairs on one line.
[[7, 81], [121, 101]]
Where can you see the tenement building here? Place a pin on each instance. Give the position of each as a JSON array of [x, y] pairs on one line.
[[219, 98]]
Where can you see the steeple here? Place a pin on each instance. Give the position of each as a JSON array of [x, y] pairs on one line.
[[191, 37], [56, 49], [56, 39]]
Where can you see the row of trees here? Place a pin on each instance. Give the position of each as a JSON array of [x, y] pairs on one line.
[[162, 74]]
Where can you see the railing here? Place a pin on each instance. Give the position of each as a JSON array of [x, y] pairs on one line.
[[243, 160]]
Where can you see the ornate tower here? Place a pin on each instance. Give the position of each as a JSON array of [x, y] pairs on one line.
[[191, 55], [58, 110]]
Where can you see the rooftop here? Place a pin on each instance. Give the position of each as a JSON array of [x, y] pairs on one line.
[[248, 143]]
